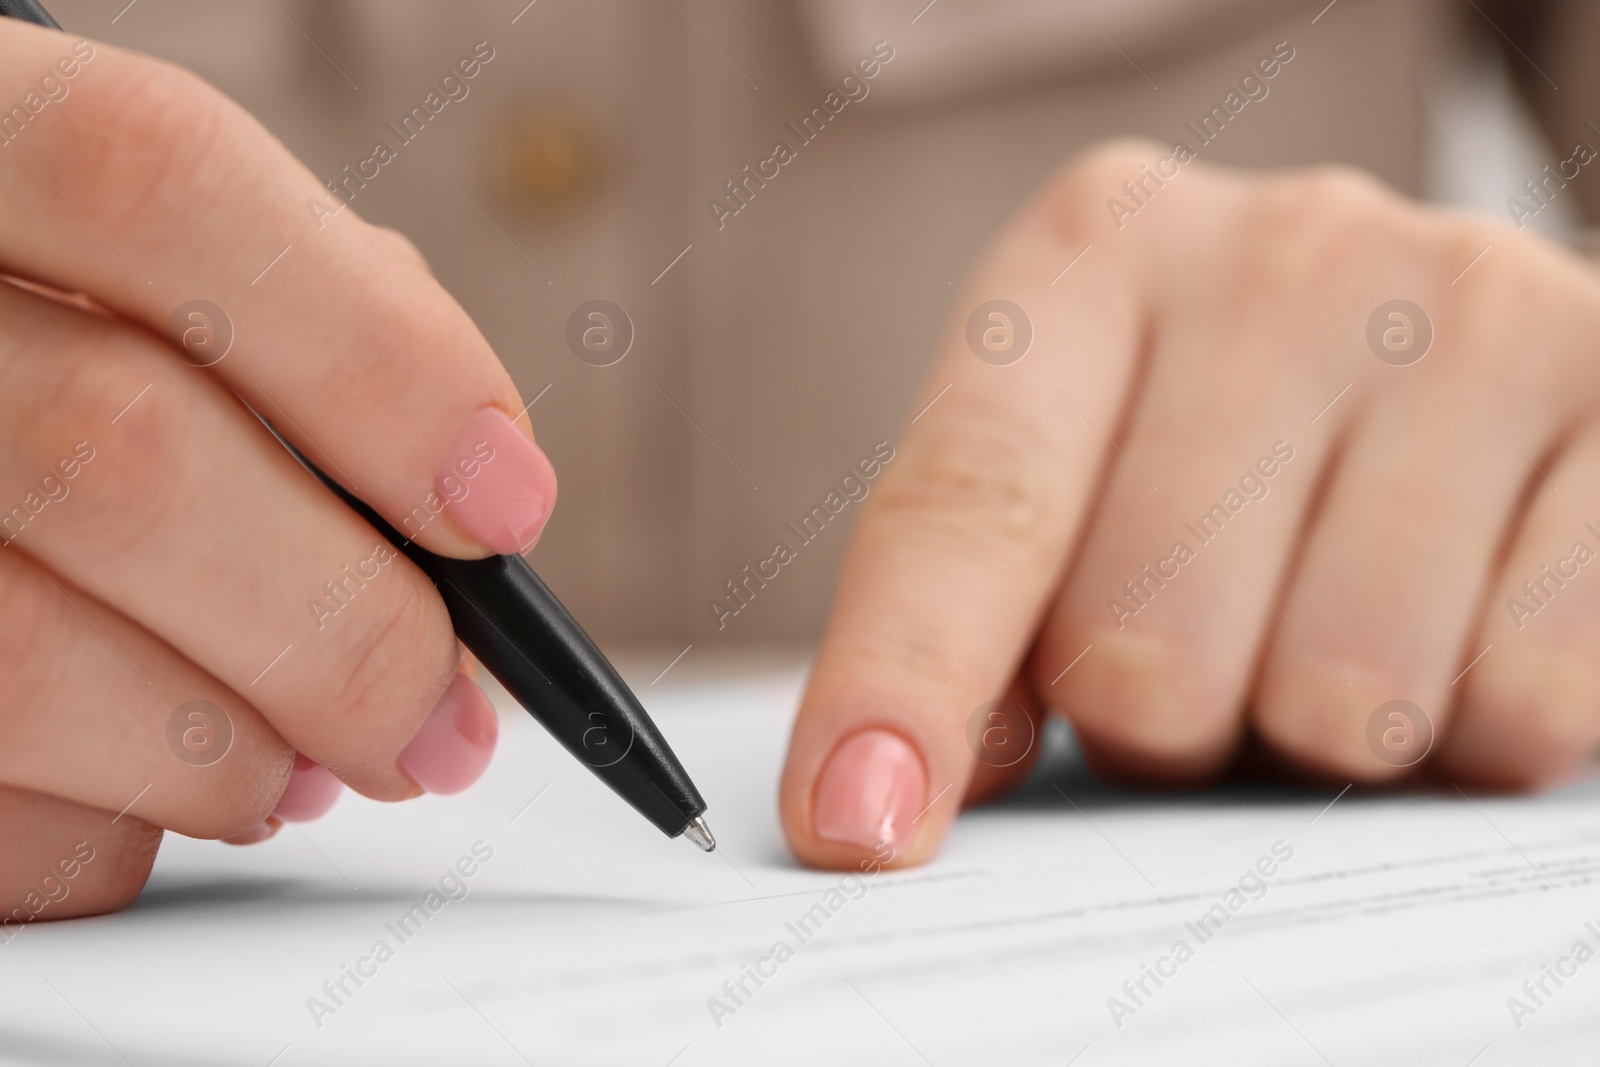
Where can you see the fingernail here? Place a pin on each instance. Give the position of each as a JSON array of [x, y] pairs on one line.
[[873, 786], [453, 747], [312, 791], [498, 485], [256, 834]]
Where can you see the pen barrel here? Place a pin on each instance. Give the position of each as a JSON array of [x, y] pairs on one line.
[[527, 639], [28, 11]]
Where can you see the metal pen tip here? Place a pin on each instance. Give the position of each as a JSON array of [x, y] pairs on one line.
[[698, 832]]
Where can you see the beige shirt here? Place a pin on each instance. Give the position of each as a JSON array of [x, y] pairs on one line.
[[773, 346]]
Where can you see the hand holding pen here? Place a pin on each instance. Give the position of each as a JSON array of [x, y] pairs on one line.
[[240, 639]]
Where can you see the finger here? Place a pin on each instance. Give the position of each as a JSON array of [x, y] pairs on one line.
[[311, 793], [1392, 577], [64, 860], [957, 548], [1165, 605], [145, 482], [98, 711], [266, 831], [338, 336], [1530, 709], [1390, 580], [1160, 619], [1007, 738]]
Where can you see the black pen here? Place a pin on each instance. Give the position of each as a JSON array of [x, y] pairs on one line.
[[517, 628], [522, 634]]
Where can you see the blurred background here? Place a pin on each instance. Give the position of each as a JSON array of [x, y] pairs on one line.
[[773, 348]]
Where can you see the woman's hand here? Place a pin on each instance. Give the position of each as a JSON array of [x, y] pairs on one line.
[[185, 608], [1284, 448]]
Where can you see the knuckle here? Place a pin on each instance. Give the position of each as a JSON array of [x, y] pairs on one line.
[[1331, 195], [1309, 714], [1487, 302], [399, 649], [1342, 183], [120, 862], [222, 800], [914, 650], [1458, 240], [1540, 704], [1110, 160], [231, 803], [1553, 727], [135, 144], [984, 482], [1138, 693], [1074, 197], [1526, 296], [393, 320], [132, 466], [32, 673], [132, 855], [1342, 216]]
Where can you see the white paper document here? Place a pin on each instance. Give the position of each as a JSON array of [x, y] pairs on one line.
[[536, 919]]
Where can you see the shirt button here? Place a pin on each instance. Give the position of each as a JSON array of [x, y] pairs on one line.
[[547, 160]]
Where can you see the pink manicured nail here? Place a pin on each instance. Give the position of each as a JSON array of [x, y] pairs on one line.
[[873, 785], [312, 791], [499, 485], [453, 747]]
